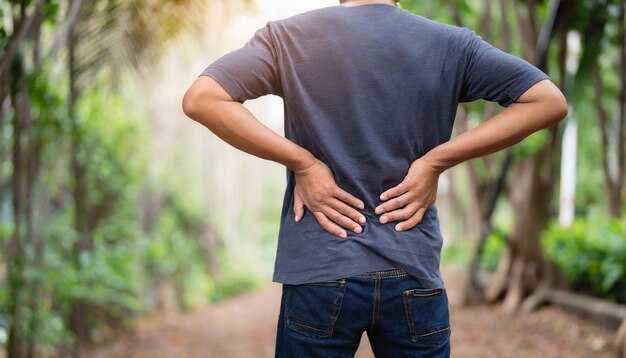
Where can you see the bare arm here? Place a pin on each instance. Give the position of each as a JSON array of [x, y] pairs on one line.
[[208, 103], [541, 106]]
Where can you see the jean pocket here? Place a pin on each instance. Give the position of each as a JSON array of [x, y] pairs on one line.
[[427, 314], [312, 308]]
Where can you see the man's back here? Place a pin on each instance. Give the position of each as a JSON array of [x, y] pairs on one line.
[[370, 94], [367, 90]]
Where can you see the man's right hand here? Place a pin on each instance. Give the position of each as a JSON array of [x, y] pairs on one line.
[[332, 206]]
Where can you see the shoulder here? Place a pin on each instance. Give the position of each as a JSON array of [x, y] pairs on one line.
[[320, 20], [307, 16], [450, 32]]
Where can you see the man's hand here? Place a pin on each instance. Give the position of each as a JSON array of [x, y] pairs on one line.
[[411, 197], [316, 188]]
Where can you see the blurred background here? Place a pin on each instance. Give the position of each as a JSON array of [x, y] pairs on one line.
[[128, 229]]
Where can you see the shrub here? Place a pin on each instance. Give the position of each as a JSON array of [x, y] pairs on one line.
[[592, 255]]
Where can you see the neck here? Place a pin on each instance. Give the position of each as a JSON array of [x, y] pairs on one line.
[[366, 2]]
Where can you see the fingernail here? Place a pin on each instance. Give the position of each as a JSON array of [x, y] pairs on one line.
[[378, 211], [362, 206], [383, 220], [357, 229], [362, 219], [398, 228], [297, 218], [383, 197], [343, 234]]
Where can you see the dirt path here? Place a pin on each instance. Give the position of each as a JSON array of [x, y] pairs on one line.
[[245, 326]]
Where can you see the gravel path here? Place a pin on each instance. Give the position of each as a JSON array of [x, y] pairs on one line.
[[245, 326]]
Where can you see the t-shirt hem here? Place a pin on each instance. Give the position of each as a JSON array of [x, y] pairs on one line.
[[224, 80], [521, 89], [311, 277]]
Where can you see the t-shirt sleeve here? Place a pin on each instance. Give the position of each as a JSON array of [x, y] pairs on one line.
[[249, 72], [495, 75]]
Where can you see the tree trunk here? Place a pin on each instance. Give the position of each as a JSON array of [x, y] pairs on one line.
[[35, 146], [79, 311], [22, 306], [529, 199], [16, 346], [523, 267], [616, 203], [23, 25], [614, 179], [486, 194], [610, 183], [474, 291]]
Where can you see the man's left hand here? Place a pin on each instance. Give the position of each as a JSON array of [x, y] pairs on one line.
[[407, 202]]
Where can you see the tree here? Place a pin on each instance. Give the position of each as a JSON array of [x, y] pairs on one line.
[[541, 26], [95, 37], [612, 124]]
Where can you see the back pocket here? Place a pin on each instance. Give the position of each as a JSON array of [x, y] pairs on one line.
[[312, 309], [427, 314]]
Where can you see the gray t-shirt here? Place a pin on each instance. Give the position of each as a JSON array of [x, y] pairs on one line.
[[367, 90]]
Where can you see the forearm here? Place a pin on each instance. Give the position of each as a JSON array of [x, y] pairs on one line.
[[234, 124], [503, 130]]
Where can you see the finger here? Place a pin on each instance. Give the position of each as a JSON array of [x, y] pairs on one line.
[[400, 214], [348, 211], [394, 203], [329, 226], [298, 206], [412, 221], [395, 191], [340, 219], [348, 198]]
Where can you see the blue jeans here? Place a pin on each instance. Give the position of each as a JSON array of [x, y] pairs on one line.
[[400, 316]]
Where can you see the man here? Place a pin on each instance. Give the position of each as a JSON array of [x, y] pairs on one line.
[[370, 95]]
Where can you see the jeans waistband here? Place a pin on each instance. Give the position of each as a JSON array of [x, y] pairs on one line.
[[393, 273]]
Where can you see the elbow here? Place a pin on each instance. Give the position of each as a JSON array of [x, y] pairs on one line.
[[191, 103], [559, 106], [202, 102]]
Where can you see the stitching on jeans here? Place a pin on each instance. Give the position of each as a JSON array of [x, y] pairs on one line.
[[342, 294], [382, 277], [423, 292], [433, 332], [418, 338], [374, 307], [435, 341], [395, 270], [323, 333], [327, 330], [375, 311], [408, 313], [396, 276]]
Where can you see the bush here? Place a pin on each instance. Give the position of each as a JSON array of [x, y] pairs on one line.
[[459, 253], [592, 255], [494, 246]]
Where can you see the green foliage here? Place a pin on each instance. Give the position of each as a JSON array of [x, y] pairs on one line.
[[120, 259], [106, 276], [235, 277], [459, 254], [590, 189], [494, 245], [592, 254], [5, 232], [532, 144], [173, 252]]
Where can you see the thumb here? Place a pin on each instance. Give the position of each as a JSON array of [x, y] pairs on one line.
[[298, 206]]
